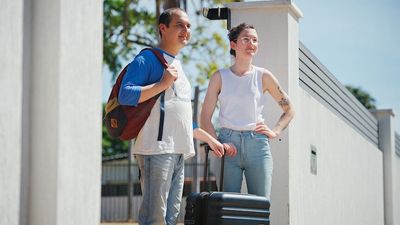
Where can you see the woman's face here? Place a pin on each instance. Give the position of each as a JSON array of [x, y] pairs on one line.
[[246, 44]]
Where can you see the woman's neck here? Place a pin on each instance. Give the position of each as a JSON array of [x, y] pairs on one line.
[[241, 67]]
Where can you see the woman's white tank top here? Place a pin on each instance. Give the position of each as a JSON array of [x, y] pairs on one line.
[[241, 99]]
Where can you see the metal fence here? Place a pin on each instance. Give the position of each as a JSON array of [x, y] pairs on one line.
[[114, 190], [316, 79], [397, 143]]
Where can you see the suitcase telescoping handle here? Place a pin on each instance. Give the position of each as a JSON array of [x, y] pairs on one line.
[[221, 177]]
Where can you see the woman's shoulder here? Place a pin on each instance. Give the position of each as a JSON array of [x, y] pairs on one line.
[[263, 71], [222, 70], [266, 76]]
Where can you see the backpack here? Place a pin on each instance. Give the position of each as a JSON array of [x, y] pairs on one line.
[[125, 122]]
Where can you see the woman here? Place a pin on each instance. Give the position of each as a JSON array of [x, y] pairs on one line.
[[239, 89]]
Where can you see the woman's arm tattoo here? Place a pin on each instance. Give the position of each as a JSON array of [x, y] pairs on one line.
[[279, 122], [284, 102]]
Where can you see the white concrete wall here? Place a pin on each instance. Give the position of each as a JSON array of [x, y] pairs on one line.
[[11, 64], [66, 112], [277, 28], [391, 166], [396, 189], [50, 118], [26, 112], [347, 188]]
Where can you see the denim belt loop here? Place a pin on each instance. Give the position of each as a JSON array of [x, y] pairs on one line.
[[229, 132]]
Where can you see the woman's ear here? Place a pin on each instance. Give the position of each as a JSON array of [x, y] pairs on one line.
[[233, 45]]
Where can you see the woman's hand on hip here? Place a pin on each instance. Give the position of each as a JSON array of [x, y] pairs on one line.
[[262, 128]]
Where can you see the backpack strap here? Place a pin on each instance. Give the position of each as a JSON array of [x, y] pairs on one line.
[[162, 94], [162, 113]]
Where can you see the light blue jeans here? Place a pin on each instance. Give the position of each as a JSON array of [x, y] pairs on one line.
[[253, 158], [162, 186]]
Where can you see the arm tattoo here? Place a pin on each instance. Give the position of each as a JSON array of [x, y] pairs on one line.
[[283, 115], [284, 102], [279, 124], [280, 90], [283, 128]]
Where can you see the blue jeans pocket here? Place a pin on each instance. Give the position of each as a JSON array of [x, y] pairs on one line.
[[261, 137]]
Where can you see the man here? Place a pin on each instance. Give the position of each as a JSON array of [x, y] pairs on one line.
[[162, 162]]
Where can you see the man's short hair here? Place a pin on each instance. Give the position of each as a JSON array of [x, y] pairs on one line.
[[166, 16]]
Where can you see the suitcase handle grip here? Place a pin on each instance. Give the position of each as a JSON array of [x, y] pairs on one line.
[[221, 178]]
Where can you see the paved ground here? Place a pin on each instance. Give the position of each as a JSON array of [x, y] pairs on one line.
[[126, 223], [119, 223]]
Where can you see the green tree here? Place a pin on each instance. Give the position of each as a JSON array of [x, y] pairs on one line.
[[365, 98], [128, 26]]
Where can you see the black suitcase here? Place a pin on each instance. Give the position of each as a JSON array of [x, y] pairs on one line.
[[225, 208]]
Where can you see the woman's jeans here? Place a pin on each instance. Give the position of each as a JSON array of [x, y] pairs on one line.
[[253, 158], [162, 186]]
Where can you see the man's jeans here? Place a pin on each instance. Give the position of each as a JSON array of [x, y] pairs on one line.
[[253, 158], [162, 186]]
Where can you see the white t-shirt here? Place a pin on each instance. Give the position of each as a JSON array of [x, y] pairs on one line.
[[178, 129], [241, 99]]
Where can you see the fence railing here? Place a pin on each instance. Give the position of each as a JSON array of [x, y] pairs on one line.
[[397, 143], [325, 88], [114, 190]]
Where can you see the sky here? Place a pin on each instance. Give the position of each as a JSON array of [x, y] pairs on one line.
[[358, 41]]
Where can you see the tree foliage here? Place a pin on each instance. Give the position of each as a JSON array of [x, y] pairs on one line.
[[365, 98], [129, 25]]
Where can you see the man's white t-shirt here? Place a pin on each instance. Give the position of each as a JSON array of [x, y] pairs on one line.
[[178, 129]]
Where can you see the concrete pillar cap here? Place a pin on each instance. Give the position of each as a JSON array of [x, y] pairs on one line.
[[264, 4], [382, 112]]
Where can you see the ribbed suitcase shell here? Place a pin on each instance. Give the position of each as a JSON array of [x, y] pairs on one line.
[[226, 208]]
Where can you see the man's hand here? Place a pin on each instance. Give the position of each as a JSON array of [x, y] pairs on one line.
[[262, 128], [169, 76]]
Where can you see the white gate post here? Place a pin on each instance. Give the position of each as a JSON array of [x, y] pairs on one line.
[[50, 118], [391, 165], [276, 22]]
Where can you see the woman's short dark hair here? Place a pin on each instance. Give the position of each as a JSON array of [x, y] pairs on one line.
[[166, 16], [234, 33]]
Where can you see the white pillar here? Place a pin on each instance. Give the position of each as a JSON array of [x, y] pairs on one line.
[[276, 22], [62, 106], [391, 165], [50, 112], [11, 61]]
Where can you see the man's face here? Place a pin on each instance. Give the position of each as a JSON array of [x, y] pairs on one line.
[[178, 32]]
